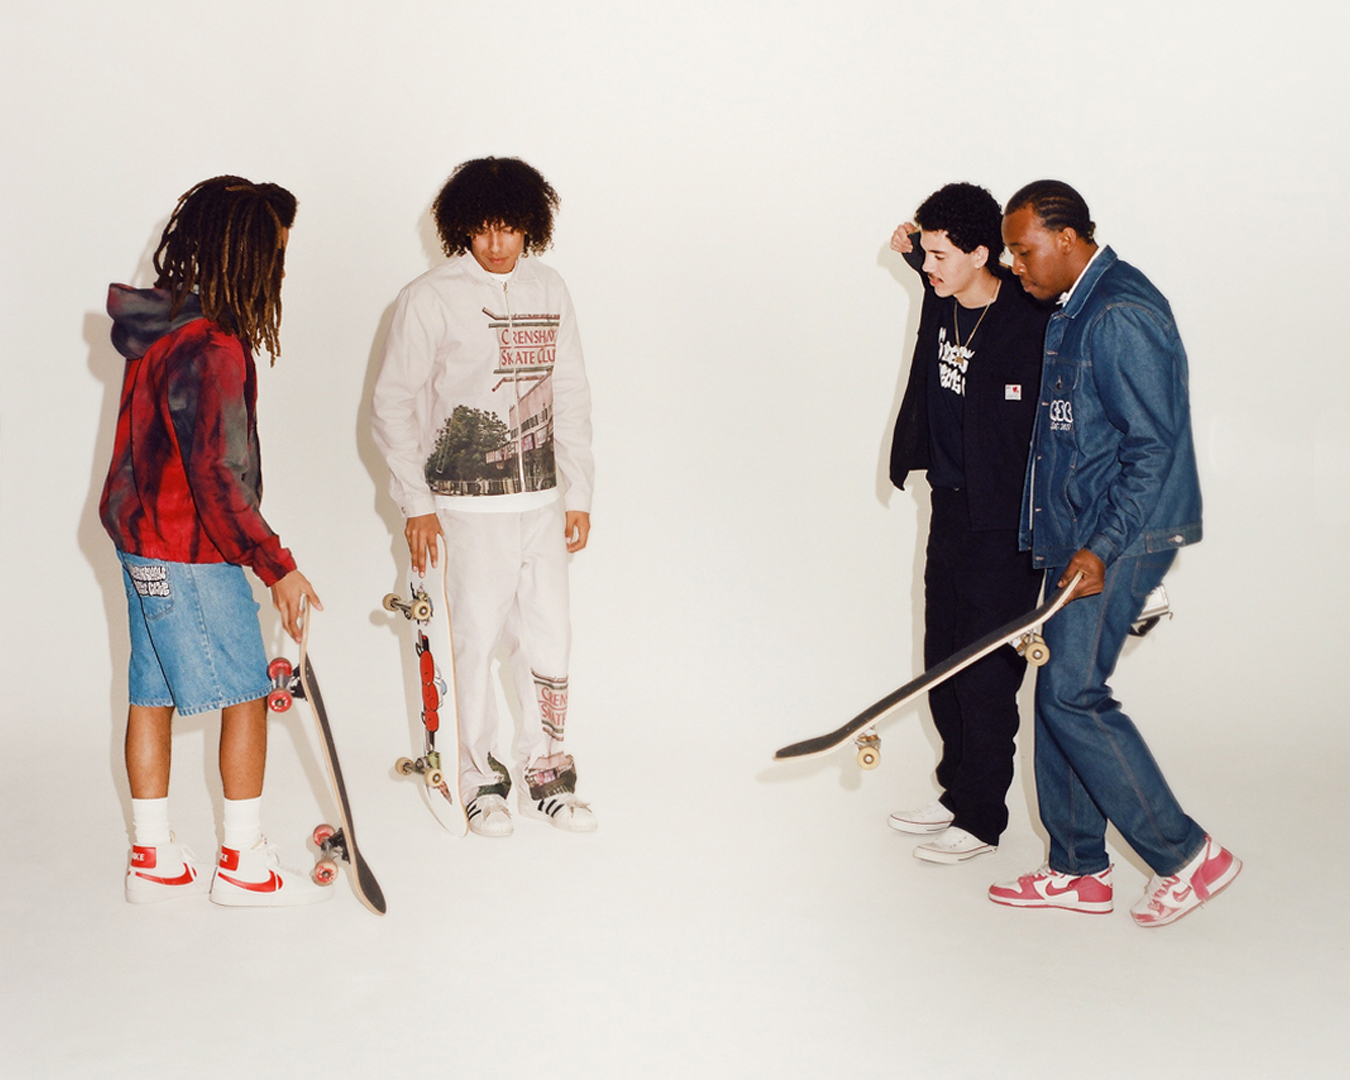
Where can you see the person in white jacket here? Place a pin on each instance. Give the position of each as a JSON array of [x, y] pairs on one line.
[[483, 413]]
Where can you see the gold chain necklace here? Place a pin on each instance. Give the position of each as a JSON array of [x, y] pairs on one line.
[[956, 317]]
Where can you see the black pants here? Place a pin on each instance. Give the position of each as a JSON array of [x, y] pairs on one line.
[[974, 582]]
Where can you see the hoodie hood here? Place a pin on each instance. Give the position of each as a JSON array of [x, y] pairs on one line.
[[141, 317]]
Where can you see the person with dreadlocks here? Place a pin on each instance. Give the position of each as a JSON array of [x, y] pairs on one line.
[[181, 504], [482, 410]]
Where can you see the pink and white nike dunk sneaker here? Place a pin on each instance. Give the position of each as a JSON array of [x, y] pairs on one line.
[[162, 872], [1167, 899], [1048, 888], [255, 877]]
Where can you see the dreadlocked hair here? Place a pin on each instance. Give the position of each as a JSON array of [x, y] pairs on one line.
[[504, 192], [1056, 205], [225, 241]]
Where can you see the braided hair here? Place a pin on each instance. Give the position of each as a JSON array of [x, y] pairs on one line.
[[1056, 205], [226, 241], [495, 191]]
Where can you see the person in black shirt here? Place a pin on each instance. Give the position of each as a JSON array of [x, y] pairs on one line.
[[966, 420]]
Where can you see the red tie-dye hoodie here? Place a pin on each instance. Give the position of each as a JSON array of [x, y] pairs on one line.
[[186, 476]]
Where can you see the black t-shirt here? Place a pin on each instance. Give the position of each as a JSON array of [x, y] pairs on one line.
[[947, 394]]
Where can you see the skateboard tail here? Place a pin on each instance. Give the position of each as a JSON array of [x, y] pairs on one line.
[[367, 888]]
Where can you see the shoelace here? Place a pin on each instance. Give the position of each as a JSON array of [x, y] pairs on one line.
[[1157, 894], [568, 799]]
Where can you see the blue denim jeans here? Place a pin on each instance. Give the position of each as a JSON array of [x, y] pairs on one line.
[[1092, 765]]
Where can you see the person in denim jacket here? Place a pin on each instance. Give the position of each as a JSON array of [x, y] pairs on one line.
[[1111, 493]]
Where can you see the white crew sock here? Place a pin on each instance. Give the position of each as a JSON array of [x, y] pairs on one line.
[[243, 823], [150, 821]]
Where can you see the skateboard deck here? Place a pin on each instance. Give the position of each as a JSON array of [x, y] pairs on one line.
[[1022, 634], [437, 766], [333, 843]]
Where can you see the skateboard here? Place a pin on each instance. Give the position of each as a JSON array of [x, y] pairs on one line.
[[1155, 607], [1022, 634], [429, 613], [333, 843]]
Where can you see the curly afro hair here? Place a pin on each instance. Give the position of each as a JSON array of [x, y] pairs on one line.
[[495, 191], [968, 214]]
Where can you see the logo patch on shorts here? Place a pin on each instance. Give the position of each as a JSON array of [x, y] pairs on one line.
[[150, 580], [1012, 391]]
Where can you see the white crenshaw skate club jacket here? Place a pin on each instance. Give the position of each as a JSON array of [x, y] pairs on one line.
[[482, 401]]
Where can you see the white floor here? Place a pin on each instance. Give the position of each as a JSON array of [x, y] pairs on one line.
[[748, 920]]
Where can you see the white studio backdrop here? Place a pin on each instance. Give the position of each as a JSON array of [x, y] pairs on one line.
[[730, 174]]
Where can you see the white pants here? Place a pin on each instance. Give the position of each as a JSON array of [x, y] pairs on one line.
[[506, 582]]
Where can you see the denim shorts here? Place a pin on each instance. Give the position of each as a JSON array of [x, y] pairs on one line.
[[195, 641]]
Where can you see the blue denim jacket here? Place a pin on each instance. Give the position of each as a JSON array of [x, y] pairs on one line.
[[1112, 465]]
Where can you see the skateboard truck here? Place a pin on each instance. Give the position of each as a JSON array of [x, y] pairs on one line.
[[333, 844], [418, 609], [1032, 648], [428, 767], [869, 749], [285, 685]]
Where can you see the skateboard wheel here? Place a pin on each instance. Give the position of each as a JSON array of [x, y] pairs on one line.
[[433, 777], [279, 700], [324, 872], [391, 601], [279, 669], [420, 610], [322, 833], [869, 757], [405, 766], [1037, 652]]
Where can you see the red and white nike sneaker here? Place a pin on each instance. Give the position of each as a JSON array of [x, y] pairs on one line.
[[163, 872], [1048, 888], [255, 878], [1169, 898]]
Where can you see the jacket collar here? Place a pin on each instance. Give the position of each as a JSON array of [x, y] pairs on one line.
[[524, 270], [1082, 289]]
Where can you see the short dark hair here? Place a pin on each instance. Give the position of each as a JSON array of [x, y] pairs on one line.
[[223, 241], [968, 214], [1056, 205], [495, 191]]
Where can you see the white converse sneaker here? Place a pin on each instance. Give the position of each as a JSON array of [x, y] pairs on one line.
[[255, 877], [488, 816], [564, 810], [933, 818], [162, 872], [953, 846]]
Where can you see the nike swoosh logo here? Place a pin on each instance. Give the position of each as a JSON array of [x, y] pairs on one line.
[[187, 877], [1053, 890], [272, 884]]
